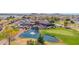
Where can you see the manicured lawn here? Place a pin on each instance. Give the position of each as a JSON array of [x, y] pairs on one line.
[[68, 36]]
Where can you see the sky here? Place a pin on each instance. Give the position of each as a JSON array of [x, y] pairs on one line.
[[39, 6]]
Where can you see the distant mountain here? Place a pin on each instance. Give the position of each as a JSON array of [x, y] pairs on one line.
[[46, 14]]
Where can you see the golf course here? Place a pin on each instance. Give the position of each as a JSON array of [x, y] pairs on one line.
[[43, 29], [68, 36]]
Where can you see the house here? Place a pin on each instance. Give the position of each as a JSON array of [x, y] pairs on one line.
[[44, 21], [59, 25], [25, 23], [45, 24]]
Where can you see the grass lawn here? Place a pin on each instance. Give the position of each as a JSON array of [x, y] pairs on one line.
[[68, 36]]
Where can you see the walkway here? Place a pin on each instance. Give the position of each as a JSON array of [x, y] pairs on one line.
[[4, 42]]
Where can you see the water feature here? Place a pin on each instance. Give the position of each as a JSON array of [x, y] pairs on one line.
[[32, 33], [50, 38]]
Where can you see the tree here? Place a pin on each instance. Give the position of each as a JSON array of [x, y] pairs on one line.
[[56, 19], [72, 22], [11, 17], [65, 23], [52, 21], [67, 19], [8, 32], [40, 39], [32, 42]]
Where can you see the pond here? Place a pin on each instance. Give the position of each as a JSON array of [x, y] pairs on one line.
[[32, 33], [50, 38]]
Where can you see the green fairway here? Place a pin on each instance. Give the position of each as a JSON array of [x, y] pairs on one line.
[[68, 36]]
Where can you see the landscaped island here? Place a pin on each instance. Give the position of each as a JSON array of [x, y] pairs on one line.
[[39, 29]]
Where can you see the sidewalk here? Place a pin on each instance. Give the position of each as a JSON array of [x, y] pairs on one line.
[[4, 42]]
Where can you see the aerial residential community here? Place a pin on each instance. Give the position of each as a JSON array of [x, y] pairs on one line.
[[39, 29]]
